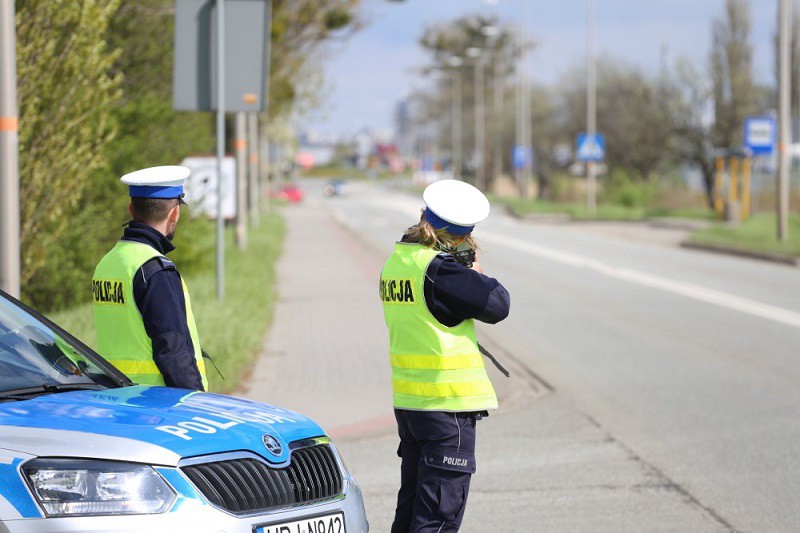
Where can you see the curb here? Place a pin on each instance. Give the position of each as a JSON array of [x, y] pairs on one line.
[[763, 256], [667, 223]]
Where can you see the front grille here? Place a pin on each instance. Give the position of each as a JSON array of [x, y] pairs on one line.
[[243, 486]]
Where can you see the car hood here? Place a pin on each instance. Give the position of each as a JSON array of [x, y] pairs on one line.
[[150, 424]]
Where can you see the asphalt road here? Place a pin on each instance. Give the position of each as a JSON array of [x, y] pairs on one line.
[[687, 362]]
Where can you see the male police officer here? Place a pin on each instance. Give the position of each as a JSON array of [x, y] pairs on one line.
[[440, 386], [142, 312]]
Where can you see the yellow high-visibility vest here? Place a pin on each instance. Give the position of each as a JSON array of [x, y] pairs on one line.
[[434, 367], [121, 337]]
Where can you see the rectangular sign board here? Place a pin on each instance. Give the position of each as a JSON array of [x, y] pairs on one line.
[[201, 186], [760, 135], [521, 157], [246, 33]]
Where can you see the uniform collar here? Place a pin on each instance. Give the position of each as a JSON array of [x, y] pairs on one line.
[[144, 234]]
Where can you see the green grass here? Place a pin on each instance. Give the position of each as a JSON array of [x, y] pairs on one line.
[[758, 234], [232, 330], [576, 211], [693, 213]]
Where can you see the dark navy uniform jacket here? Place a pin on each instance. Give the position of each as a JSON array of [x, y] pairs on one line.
[[158, 292], [455, 293]]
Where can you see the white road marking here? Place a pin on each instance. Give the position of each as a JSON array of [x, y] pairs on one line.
[[689, 290]]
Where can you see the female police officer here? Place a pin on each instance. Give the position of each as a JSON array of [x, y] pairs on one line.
[[440, 386]]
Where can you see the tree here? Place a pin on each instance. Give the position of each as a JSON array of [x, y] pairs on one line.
[[693, 127], [731, 64], [498, 47], [150, 131], [300, 28], [65, 88], [632, 112]]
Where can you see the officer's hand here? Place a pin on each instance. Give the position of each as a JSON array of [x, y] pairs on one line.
[[476, 266]]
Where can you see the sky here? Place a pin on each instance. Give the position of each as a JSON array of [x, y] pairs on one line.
[[371, 71]]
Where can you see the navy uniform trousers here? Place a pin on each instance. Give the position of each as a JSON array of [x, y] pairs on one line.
[[438, 459]]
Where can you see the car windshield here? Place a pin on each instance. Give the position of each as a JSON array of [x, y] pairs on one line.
[[33, 355]]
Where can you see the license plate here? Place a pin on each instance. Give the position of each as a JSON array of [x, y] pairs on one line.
[[329, 523]]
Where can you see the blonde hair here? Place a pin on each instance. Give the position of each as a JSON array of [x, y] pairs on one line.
[[437, 238]]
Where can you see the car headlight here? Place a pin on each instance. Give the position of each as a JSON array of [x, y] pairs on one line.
[[78, 487]]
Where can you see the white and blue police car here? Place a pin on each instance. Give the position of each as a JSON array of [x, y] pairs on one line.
[[84, 449]]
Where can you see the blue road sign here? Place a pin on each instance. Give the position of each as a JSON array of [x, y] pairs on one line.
[[520, 156], [760, 135], [591, 149]]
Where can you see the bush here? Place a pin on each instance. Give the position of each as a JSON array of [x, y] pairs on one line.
[[619, 189]]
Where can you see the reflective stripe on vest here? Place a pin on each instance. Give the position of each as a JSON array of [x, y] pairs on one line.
[[121, 337], [433, 367]]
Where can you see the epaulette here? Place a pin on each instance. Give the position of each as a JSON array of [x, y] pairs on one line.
[[154, 265]]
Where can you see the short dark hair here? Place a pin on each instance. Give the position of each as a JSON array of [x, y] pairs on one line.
[[152, 210]]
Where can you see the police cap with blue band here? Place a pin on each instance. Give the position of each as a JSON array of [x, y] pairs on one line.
[[454, 206], [163, 182]]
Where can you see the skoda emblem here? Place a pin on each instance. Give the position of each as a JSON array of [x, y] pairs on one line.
[[272, 444]]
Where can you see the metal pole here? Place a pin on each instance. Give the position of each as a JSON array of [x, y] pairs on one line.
[[457, 133], [527, 105], [220, 146], [240, 146], [497, 116], [253, 174], [591, 111], [480, 136], [9, 163], [453, 132], [266, 153], [520, 119], [784, 125]]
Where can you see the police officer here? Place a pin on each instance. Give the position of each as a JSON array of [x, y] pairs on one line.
[[439, 381], [142, 312]]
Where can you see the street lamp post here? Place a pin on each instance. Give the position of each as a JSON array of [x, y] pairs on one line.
[[784, 105], [591, 111], [455, 110], [497, 117], [480, 135]]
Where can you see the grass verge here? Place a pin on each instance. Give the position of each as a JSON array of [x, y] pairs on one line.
[[757, 234], [232, 330], [575, 211], [607, 212]]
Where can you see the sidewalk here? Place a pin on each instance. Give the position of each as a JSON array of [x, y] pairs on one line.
[[325, 352]]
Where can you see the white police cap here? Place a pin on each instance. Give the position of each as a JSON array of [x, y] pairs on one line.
[[157, 182], [455, 206]]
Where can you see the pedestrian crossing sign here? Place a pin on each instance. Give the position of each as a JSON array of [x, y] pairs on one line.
[[591, 147]]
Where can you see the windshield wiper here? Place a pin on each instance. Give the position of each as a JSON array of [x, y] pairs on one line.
[[29, 392]]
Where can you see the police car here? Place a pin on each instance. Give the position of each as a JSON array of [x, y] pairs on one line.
[[84, 449]]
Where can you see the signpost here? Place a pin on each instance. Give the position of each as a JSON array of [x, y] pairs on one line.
[[221, 57], [760, 135], [760, 140], [591, 148], [521, 157]]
